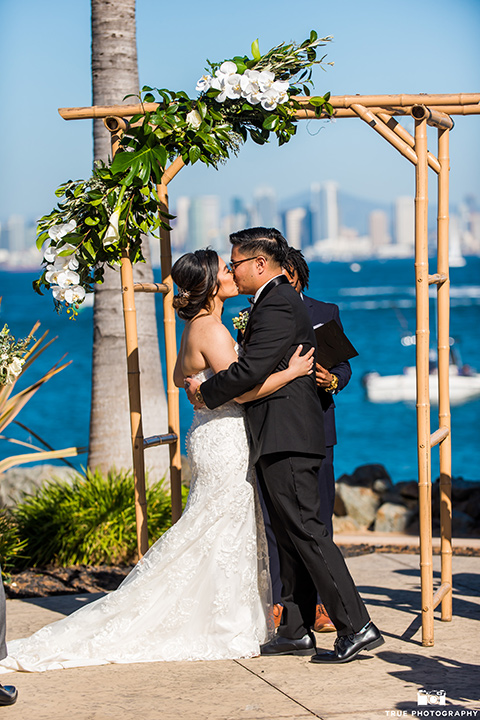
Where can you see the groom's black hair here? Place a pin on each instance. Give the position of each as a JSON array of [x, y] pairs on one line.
[[261, 241]]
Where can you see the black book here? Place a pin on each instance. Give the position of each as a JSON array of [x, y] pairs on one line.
[[333, 346]]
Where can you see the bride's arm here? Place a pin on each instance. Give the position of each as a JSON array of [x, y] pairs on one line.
[[299, 365]]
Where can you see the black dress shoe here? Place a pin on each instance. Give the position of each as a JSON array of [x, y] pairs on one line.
[[347, 647], [287, 646], [8, 694]]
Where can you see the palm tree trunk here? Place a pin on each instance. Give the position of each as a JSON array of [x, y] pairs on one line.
[[114, 75]]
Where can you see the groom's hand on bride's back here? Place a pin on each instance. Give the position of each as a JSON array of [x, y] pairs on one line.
[[191, 387]]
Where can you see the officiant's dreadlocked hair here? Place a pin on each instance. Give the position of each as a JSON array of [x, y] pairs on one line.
[[195, 274], [261, 241]]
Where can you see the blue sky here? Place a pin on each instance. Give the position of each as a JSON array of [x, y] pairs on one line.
[[416, 46]]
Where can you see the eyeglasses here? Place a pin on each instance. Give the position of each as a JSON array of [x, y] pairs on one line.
[[233, 265]]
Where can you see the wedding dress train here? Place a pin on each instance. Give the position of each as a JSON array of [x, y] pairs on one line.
[[202, 590]]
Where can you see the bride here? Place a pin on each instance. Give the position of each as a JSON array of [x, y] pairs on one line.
[[202, 590]]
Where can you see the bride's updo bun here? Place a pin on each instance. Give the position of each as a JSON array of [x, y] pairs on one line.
[[196, 277]]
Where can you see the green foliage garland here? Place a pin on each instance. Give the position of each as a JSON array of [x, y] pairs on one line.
[[99, 218]]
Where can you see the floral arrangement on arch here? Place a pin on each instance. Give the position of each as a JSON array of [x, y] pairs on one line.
[[106, 215]]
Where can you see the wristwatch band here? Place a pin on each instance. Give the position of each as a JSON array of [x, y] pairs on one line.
[[198, 396], [333, 385]]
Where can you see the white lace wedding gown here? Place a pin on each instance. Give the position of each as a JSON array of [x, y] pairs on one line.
[[202, 590]]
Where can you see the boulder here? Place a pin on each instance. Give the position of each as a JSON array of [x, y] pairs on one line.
[[361, 503], [345, 525], [393, 517]]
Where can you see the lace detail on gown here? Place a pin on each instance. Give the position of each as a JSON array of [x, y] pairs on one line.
[[202, 591]]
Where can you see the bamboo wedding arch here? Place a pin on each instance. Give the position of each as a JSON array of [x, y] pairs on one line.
[[379, 112]]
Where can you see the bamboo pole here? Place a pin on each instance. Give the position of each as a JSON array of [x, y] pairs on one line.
[[171, 353], [422, 373], [135, 403], [444, 417], [115, 126]]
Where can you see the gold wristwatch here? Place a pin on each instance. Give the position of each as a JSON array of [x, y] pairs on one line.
[[199, 397], [333, 385]]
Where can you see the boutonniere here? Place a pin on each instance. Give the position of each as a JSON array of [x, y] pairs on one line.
[[240, 320]]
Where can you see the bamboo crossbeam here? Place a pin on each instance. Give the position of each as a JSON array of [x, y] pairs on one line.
[[379, 126], [441, 593], [462, 103], [155, 440], [346, 101], [434, 118], [439, 435], [151, 287], [437, 279]]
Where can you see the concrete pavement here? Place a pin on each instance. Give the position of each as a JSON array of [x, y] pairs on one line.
[[381, 684]]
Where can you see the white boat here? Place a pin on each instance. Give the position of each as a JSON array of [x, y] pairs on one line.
[[464, 384]]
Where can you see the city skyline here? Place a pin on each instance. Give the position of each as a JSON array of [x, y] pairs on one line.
[[323, 221]]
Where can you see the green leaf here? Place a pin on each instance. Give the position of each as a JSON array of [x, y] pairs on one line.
[[255, 50], [194, 153], [92, 221], [317, 101], [122, 161], [270, 122]]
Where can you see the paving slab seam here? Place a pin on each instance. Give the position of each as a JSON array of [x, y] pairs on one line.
[[274, 687], [458, 584]]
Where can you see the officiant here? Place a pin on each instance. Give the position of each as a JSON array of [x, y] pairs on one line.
[[329, 383]]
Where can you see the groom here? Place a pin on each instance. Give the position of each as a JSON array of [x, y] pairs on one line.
[[287, 450]]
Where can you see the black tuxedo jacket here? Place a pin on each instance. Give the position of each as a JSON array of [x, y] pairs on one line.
[[322, 312], [291, 419]]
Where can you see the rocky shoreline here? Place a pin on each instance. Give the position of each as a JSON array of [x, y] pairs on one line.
[[368, 500]]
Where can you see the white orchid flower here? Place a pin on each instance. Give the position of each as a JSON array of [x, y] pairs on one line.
[[66, 278], [58, 293], [270, 99], [281, 86], [51, 276], [204, 83], [194, 119], [266, 80], [112, 235], [50, 254], [58, 231], [227, 68], [74, 294], [250, 87], [233, 87]]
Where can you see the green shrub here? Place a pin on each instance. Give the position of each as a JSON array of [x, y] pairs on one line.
[[87, 521], [12, 548]]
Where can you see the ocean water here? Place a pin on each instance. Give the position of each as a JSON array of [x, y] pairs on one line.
[[377, 304]]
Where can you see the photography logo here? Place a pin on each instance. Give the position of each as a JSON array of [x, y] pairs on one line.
[[431, 697]]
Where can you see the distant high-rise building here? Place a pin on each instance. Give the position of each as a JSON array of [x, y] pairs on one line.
[[405, 222], [324, 210], [16, 236], [180, 224], [378, 228], [265, 212], [296, 229], [204, 222]]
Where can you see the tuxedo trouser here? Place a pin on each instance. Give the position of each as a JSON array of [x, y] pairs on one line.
[[310, 562], [326, 489], [3, 620]]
